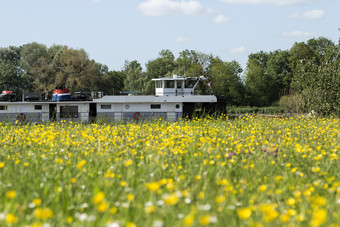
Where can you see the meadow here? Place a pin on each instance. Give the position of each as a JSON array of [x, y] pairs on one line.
[[249, 171]]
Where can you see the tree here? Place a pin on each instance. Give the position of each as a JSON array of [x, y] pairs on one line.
[[76, 71], [112, 82], [192, 63], [226, 81], [280, 71], [319, 85], [36, 60], [134, 77], [12, 76], [320, 47], [260, 85]]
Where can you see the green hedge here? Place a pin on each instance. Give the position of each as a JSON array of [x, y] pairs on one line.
[[254, 110]]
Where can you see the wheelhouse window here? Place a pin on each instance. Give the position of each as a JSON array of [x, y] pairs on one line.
[[69, 112], [169, 84], [3, 107], [155, 106], [159, 84], [179, 84], [105, 107], [190, 83], [37, 107]]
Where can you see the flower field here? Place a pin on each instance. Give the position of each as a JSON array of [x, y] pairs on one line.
[[205, 172]]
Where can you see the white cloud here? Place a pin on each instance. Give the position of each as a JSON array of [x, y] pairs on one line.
[[270, 2], [170, 7], [220, 19], [299, 34], [182, 39], [309, 15], [239, 50], [95, 1]]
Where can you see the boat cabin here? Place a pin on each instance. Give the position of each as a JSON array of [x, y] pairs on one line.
[[176, 86]]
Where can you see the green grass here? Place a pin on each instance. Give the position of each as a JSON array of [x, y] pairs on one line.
[[243, 172]]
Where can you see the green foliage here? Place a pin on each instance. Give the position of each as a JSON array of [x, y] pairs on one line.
[[12, 77], [134, 77], [254, 110], [319, 86], [292, 103], [226, 81]]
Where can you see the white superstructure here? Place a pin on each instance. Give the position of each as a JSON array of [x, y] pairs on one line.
[[174, 98]]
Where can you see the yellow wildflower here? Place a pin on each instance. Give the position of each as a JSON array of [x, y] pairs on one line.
[[43, 213], [11, 219], [98, 198], [152, 186], [10, 194], [319, 217], [244, 213], [171, 199]]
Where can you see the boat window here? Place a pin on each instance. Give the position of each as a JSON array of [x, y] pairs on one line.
[[105, 107], [38, 107], [69, 112], [155, 106], [169, 84], [190, 83], [158, 84], [3, 107], [179, 84]]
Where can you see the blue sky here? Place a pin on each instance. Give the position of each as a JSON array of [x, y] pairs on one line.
[[112, 31]]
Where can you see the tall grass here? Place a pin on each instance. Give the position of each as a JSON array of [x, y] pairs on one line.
[[249, 171]]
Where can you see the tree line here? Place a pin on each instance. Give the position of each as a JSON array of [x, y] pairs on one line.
[[305, 77]]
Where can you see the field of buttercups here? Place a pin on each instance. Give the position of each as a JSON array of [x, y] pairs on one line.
[[249, 171]]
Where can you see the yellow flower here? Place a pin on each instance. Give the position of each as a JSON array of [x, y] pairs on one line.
[[171, 199], [262, 188], [244, 213], [319, 217], [81, 164], [11, 218], [130, 197], [290, 201], [113, 210], [98, 198], [150, 209], [278, 178], [189, 220], [43, 213], [69, 220], [152, 186], [2, 165], [26, 164], [220, 199], [205, 220], [284, 218], [131, 224], [128, 163], [102, 207], [320, 201], [37, 201], [270, 214], [73, 180], [10, 194]]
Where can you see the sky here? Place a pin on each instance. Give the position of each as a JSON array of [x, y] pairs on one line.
[[113, 31]]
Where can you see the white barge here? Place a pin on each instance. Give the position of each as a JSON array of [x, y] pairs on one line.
[[174, 99]]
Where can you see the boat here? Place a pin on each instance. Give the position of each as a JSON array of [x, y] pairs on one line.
[[174, 99]]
